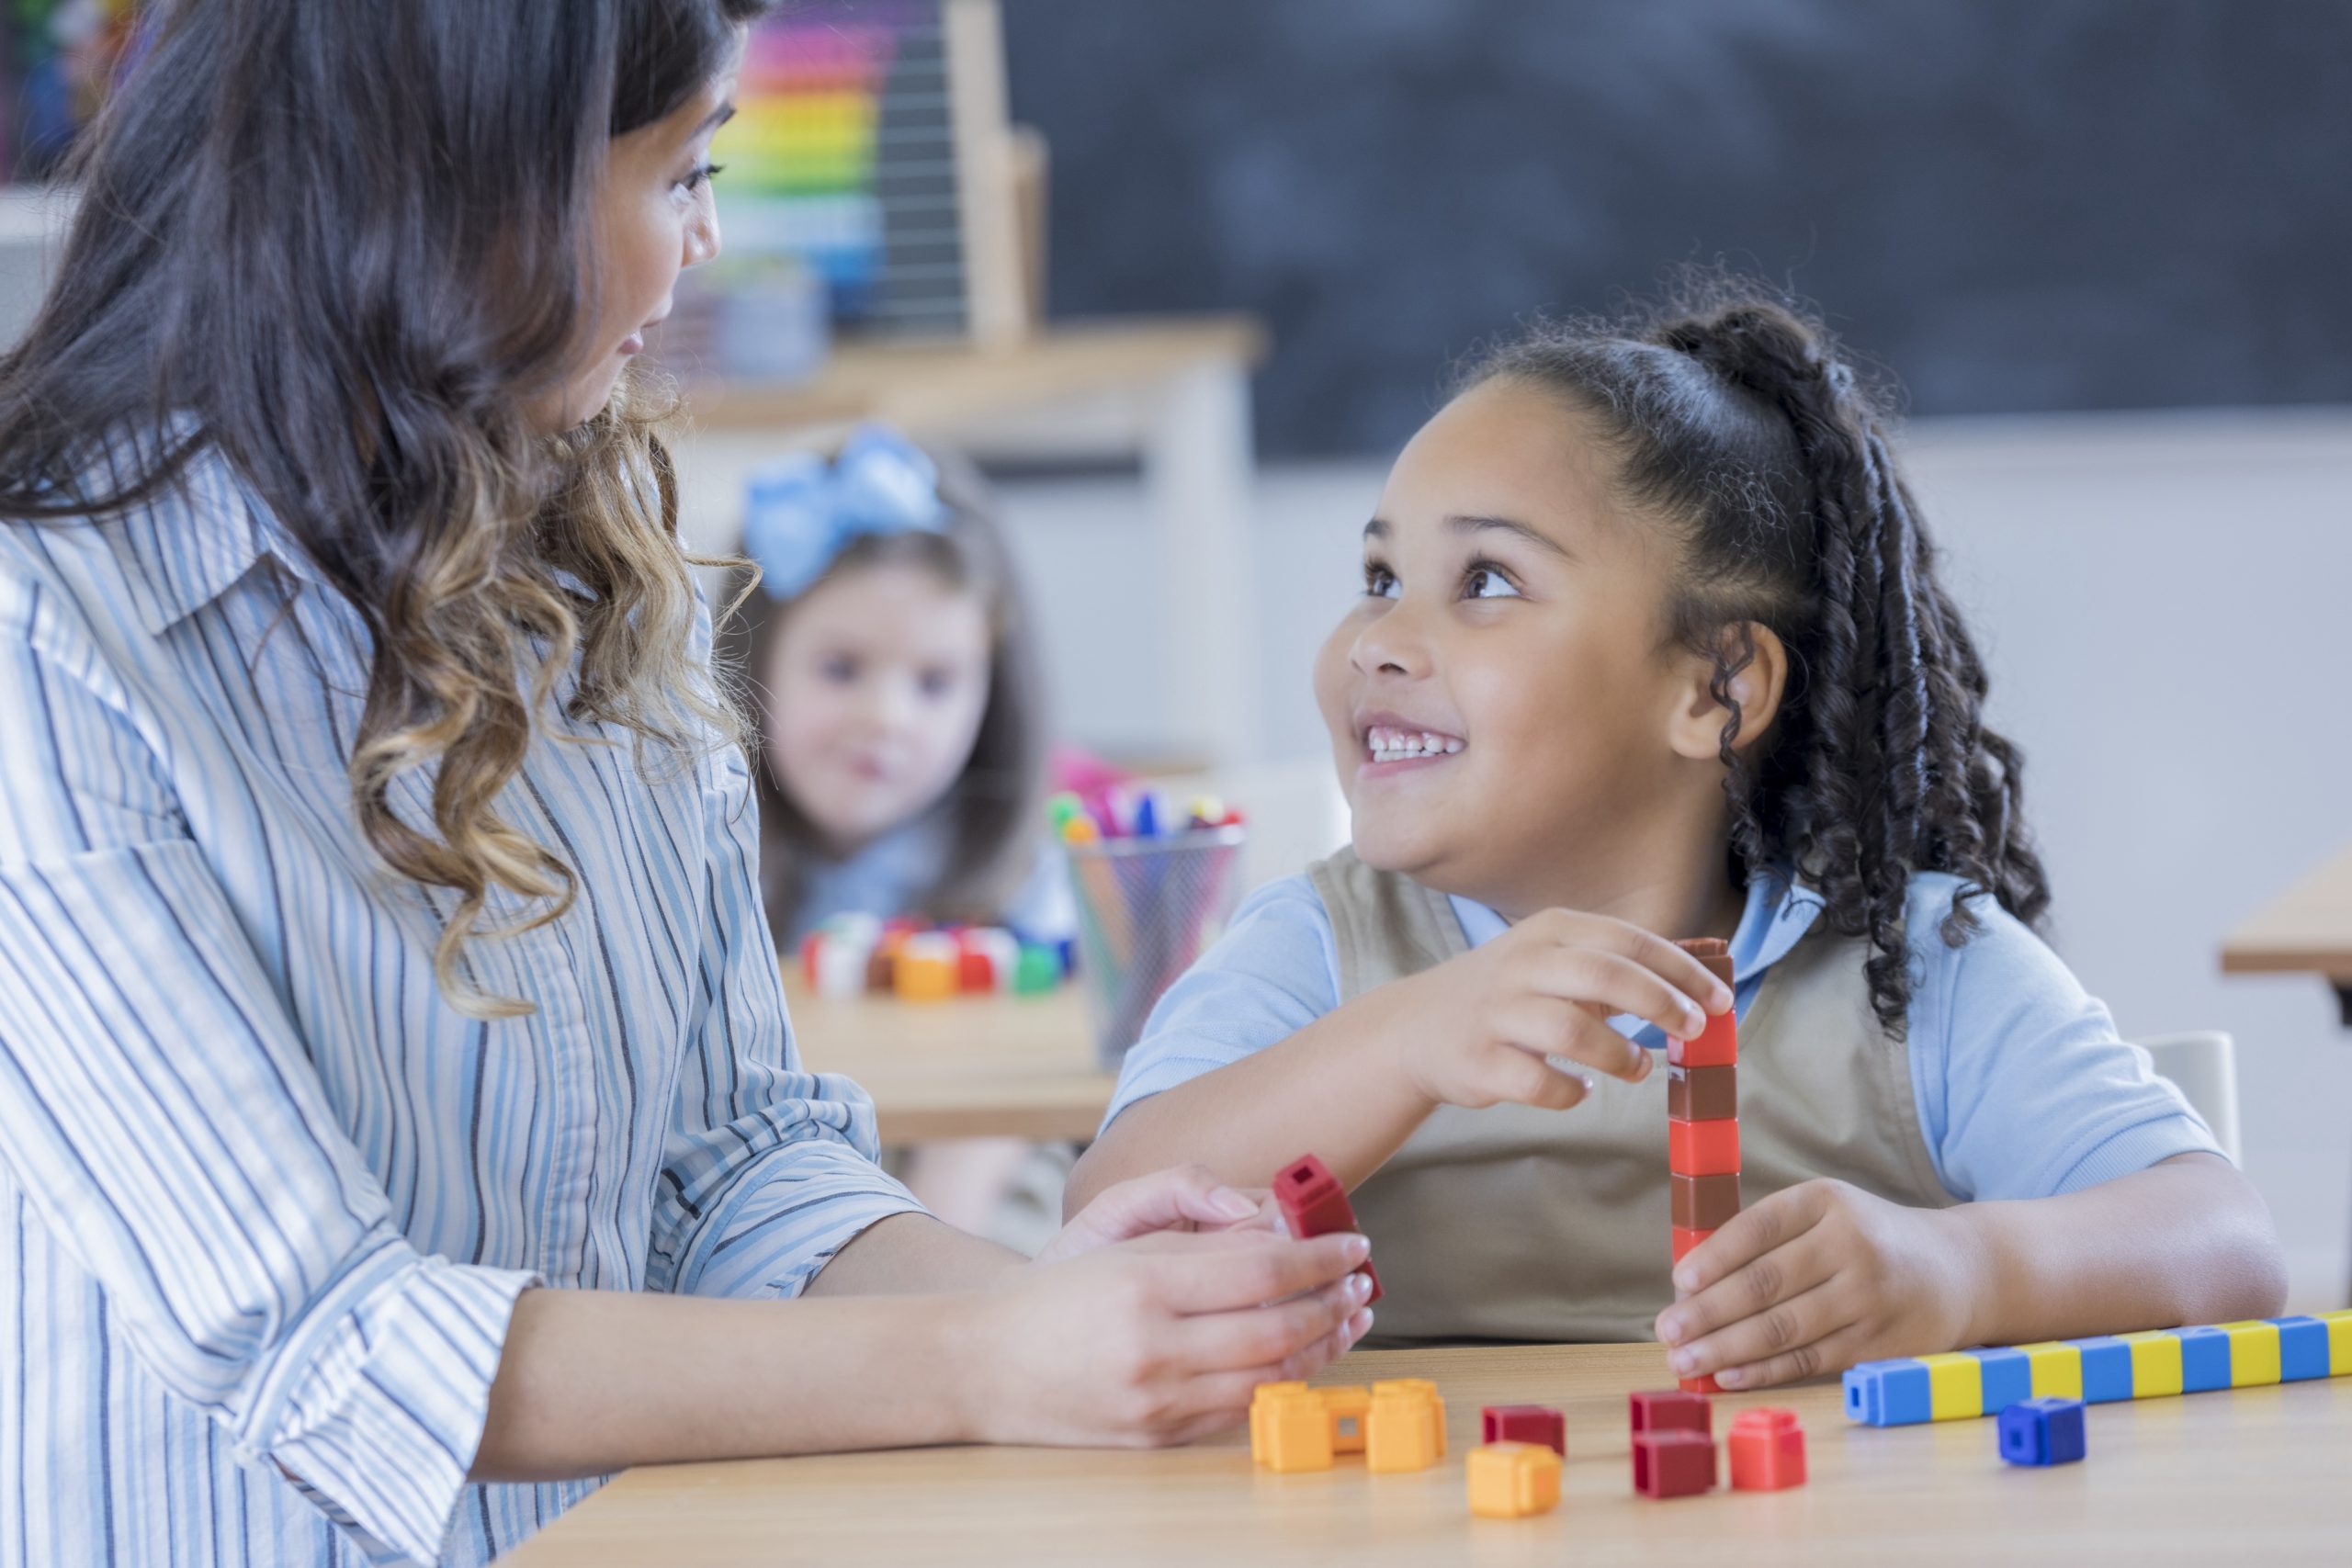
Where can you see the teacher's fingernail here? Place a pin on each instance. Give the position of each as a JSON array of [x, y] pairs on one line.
[[1232, 1204]]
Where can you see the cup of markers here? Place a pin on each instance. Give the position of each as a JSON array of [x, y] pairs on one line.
[[1154, 887]]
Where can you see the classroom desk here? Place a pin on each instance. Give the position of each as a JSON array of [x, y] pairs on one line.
[[2307, 929], [2251, 1475], [976, 1066]]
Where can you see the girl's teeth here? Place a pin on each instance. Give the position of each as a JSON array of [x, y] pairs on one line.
[[1393, 745]]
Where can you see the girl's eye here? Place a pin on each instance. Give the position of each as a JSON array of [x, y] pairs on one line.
[[840, 668], [936, 683], [1380, 582], [702, 174], [1486, 582]]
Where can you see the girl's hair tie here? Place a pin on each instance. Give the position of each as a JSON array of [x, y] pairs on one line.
[[802, 511]]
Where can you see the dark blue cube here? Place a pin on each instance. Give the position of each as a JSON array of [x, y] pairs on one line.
[[2204, 1359], [2042, 1431], [2303, 1349], [1888, 1393], [2008, 1377], [2107, 1368]]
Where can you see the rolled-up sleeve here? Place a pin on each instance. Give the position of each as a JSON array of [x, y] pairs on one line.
[[769, 1170], [161, 1116]]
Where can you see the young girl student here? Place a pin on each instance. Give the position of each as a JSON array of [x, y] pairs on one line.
[[1651, 645], [901, 730], [901, 707], [399, 1125]]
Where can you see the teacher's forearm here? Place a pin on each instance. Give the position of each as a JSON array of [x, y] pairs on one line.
[[591, 1381]]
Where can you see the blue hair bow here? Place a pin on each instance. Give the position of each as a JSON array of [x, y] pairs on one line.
[[802, 511]]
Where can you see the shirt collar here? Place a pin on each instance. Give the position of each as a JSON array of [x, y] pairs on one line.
[[1779, 911], [197, 537]]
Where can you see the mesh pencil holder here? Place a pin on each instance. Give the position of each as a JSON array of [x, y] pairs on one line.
[[1146, 908]]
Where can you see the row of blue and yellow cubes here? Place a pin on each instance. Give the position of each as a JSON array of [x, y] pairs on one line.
[[2123, 1366]]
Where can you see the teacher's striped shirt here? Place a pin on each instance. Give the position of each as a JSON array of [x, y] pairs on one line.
[[266, 1201]]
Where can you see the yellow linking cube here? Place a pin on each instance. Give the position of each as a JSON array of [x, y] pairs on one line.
[[1509, 1480], [1955, 1385], [1290, 1428], [1406, 1429], [2056, 1368], [2254, 1352], [2156, 1362]]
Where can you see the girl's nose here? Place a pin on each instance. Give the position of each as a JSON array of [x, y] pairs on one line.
[[1391, 644]]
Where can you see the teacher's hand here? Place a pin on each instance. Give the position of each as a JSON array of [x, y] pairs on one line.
[[1187, 1197], [1158, 1340]]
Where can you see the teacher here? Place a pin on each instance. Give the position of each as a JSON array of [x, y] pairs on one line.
[[379, 938]]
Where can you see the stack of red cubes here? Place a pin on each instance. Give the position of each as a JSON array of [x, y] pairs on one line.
[[1702, 1122]]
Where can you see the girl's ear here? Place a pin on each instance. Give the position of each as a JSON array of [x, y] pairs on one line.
[[1696, 728]]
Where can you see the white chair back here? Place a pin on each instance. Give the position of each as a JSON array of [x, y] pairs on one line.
[[2204, 1067]]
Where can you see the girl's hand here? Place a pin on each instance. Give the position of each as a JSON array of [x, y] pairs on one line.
[[1186, 1197], [1478, 1029], [1816, 1278], [1158, 1340]]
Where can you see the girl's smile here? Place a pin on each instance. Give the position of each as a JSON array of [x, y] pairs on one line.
[[1393, 745]]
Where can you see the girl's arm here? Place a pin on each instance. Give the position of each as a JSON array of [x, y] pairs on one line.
[[1332, 1088], [1823, 1275], [1475, 1031], [1159, 1339]]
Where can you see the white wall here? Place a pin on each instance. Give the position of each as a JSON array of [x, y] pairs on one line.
[[2162, 600]]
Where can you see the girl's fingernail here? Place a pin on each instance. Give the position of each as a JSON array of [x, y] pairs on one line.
[[1356, 1248], [1686, 1280], [1669, 1329], [1360, 1287], [1693, 1023], [1360, 1324], [1731, 1377], [1683, 1360]]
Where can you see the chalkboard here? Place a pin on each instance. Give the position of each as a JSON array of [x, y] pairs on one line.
[[2013, 205]]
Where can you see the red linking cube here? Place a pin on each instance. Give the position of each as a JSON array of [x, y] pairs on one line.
[[1673, 1464], [1685, 1240], [1767, 1449], [1703, 1148], [1313, 1202], [1667, 1409], [1524, 1424]]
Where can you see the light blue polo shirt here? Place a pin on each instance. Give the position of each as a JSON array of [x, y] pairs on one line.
[[2024, 1089]]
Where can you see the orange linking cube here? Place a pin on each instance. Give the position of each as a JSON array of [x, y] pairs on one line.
[[1702, 1124], [1290, 1428], [1510, 1480], [1767, 1449], [1349, 1409], [929, 968], [1405, 1429]]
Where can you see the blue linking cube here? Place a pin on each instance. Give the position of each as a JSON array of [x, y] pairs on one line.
[[2042, 1431], [1888, 1393]]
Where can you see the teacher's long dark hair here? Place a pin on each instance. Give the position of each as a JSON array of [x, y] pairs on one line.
[[349, 246]]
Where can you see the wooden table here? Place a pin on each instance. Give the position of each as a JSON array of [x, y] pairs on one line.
[[2306, 930], [978, 1066], [1171, 392], [2253, 1475]]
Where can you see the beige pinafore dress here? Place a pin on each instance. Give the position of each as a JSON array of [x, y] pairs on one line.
[[1518, 1224]]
